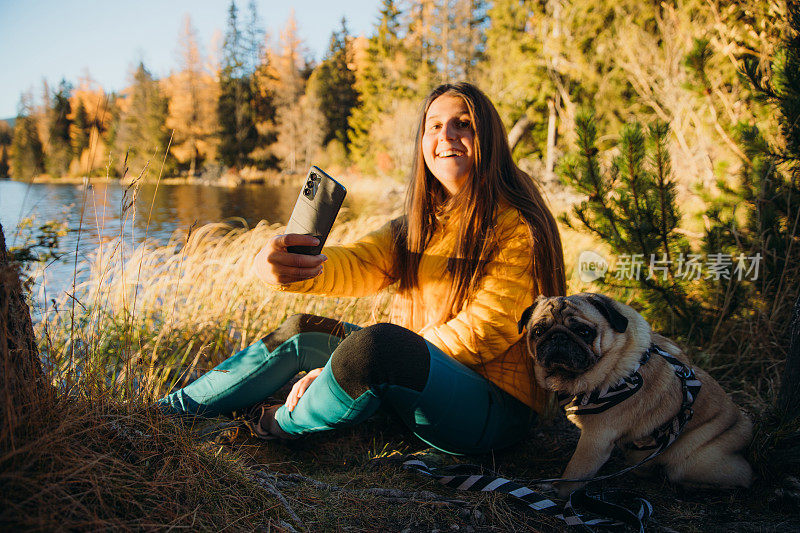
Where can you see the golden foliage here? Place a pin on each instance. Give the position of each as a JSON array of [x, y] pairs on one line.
[[193, 92]]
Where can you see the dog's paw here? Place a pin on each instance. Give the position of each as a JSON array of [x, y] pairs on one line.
[[545, 487], [565, 488]]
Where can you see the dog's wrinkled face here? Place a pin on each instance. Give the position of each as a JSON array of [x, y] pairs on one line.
[[579, 342]]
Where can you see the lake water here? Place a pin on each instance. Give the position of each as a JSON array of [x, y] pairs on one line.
[[99, 211]]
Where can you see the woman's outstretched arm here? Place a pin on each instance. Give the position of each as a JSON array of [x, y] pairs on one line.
[[360, 268]]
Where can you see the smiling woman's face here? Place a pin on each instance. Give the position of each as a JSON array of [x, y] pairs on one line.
[[448, 142]]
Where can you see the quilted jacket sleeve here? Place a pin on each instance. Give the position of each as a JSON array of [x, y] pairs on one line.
[[360, 268], [486, 327]]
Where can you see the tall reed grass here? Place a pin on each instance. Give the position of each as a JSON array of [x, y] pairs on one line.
[[162, 313]]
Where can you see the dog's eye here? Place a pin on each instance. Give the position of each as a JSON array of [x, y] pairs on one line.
[[538, 331], [585, 332]]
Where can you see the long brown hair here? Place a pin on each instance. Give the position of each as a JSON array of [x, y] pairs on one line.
[[495, 179]]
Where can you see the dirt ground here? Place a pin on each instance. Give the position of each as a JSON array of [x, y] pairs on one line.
[[334, 482]]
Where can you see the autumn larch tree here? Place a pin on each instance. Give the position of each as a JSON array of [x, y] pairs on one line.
[[300, 124], [193, 95]]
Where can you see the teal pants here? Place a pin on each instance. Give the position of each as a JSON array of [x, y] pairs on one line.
[[443, 402]]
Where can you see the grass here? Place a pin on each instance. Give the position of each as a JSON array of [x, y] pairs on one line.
[[186, 305], [89, 465], [93, 455]]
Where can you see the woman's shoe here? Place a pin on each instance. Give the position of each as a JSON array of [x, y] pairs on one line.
[[262, 424]]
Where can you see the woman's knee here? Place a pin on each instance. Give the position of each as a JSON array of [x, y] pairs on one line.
[[382, 354], [303, 323]]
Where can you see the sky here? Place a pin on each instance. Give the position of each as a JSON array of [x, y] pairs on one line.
[[55, 39]]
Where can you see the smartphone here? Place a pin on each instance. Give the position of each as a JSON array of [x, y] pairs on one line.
[[315, 210]]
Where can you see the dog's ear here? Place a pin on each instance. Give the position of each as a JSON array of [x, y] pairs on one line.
[[606, 306], [526, 315]]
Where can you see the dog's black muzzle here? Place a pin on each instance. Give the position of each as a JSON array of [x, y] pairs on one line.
[[558, 350]]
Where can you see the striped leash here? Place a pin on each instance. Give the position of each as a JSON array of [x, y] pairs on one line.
[[613, 514]]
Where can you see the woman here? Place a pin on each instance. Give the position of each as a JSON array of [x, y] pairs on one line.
[[476, 246]]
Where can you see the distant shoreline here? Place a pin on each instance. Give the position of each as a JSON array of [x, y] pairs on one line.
[[228, 181]]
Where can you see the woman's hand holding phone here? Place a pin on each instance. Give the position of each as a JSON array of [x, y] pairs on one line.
[[276, 266], [295, 256]]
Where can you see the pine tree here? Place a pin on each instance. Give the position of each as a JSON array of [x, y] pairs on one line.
[[97, 126], [453, 34], [513, 74], [265, 111], [238, 134], [27, 155], [79, 130], [768, 194], [59, 152], [252, 40], [333, 82], [769, 188], [750, 226], [633, 209], [4, 166], [5, 133], [142, 134], [471, 25], [5, 143], [109, 133], [420, 70], [379, 84], [757, 215], [262, 92]]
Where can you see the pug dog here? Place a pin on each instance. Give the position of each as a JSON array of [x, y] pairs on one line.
[[588, 343]]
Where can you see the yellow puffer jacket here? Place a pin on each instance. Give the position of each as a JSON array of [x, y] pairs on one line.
[[483, 334]]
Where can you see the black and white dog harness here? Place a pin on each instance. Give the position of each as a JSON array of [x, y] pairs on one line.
[[600, 400]]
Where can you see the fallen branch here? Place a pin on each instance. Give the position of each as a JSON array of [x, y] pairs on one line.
[[395, 495], [287, 526], [267, 483], [217, 428]]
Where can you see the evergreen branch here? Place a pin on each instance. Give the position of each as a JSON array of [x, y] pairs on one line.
[[592, 227], [750, 69], [590, 181], [658, 133]]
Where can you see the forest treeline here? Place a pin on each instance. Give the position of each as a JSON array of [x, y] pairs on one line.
[[259, 103]]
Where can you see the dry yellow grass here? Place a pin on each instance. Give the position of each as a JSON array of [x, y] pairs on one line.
[[186, 304]]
